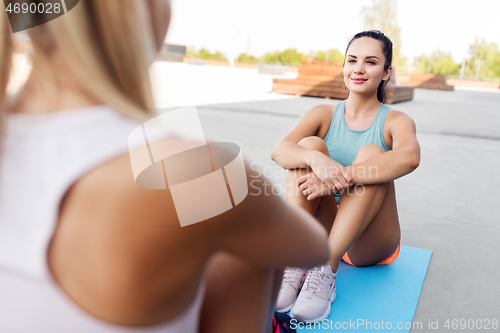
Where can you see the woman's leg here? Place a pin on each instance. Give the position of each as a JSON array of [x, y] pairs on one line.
[[239, 297], [322, 208], [314, 299], [367, 224]]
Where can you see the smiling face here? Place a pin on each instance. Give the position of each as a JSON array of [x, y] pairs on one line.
[[364, 66]]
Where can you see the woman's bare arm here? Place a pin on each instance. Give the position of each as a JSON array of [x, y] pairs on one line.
[[286, 153], [401, 160], [264, 230]]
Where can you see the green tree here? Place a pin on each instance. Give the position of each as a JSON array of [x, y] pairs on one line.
[[480, 50], [205, 54], [333, 55], [244, 58], [287, 57], [438, 63], [382, 15], [191, 52], [217, 55]]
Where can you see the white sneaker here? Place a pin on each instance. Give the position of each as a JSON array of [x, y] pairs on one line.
[[316, 296], [292, 280]]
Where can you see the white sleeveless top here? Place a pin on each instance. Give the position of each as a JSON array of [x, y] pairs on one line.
[[41, 157]]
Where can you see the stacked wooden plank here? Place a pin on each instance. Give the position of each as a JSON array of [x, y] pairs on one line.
[[425, 81], [326, 79], [315, 78], [398, 93], [470, 83]]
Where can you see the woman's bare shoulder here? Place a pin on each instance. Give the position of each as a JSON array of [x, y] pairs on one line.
[[399, 128], [125, 237], [114, 183], [324, 113], [321, 112], [396, 120], [398, 116], [314, 122]]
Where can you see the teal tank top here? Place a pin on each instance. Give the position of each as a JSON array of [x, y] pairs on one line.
[[343, 143]]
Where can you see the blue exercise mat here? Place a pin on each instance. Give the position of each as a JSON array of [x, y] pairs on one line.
[[379, 297]]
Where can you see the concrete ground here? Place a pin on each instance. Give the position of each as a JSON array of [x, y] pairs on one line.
[[448, 205], [178, 84]]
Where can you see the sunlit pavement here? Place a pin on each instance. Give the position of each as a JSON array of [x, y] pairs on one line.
[[180, 84], [449, 205]]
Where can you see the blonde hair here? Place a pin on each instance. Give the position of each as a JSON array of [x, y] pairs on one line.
[[108, 44]]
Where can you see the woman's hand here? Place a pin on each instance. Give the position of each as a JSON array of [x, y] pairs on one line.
[[327, 171], [312, 187]]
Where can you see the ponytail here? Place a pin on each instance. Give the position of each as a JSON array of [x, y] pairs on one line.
[[381, 92]]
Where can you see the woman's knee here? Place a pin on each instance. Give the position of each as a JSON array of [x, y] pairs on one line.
[[367, 151], [314, 143]]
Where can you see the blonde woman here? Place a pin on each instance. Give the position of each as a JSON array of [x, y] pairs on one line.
[[82, 247]]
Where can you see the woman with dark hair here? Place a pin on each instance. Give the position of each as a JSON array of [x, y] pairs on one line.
[[342, 162]]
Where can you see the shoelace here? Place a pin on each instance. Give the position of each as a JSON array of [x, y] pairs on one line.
[[291, 274], [314, 280]]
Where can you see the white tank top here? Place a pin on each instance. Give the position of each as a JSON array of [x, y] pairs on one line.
[[41, 157]]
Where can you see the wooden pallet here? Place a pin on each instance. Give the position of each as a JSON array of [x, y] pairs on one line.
[[397, 94], [326, 79], [425, 81], [320, 68], [332, 89], [470, 83]]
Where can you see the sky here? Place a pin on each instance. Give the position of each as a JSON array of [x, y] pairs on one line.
[[314, 25]]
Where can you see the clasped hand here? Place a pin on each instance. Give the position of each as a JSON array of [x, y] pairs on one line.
[[328, 176]]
